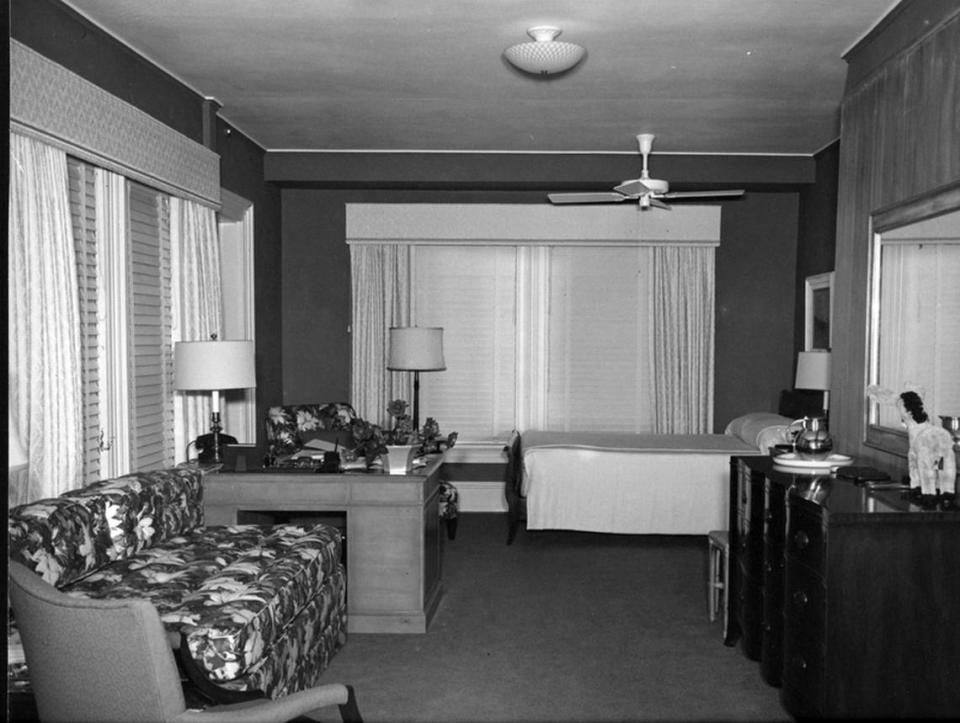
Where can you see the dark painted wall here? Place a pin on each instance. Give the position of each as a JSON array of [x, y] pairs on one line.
[[818, 228], [56, 31], [756, 270]]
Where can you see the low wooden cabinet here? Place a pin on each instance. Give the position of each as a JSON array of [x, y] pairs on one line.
[[858, 589], [871, 604]]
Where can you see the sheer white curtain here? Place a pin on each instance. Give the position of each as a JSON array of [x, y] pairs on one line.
[[683, 316], [380, 279], [45, 394], [196, 292]]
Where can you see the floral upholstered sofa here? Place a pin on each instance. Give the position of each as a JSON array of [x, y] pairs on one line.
[[259, 608], [289, 427]]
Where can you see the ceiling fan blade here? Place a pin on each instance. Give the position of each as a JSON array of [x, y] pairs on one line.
[[632, 188], [702, 194], [600, 197], [658, 203]]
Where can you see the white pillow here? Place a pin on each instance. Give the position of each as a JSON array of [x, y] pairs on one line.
[[773, 435], [750, 427]]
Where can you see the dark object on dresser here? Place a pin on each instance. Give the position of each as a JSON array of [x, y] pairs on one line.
[[798, 403]]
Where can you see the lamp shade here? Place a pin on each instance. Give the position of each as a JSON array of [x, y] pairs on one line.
[[416, 348], [545, 55], [214, 365], [813, 370]]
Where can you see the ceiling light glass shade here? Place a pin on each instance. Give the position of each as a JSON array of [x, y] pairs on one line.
[[544, 56]]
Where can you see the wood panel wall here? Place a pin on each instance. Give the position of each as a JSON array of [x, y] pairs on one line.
[[900, 139]]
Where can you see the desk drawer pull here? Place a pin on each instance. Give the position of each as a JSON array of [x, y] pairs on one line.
[[801, 539], [800, 597]]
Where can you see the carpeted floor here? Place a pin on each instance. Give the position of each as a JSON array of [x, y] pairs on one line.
[[560, 626]]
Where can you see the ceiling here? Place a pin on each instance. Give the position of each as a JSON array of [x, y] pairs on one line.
[[706, 76]]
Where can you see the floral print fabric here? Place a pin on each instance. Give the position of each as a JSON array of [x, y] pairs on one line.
[[285, 425], [64, 538], [261, 607]]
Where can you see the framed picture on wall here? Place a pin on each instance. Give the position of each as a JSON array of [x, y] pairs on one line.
[[818, 305]]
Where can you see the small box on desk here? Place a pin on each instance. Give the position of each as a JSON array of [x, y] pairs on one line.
[[243, 457]]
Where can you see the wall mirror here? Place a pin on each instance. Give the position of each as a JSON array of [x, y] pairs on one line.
[[818, 306], [914, 312]]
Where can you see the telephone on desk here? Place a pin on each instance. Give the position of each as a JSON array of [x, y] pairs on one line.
[[205, 446]]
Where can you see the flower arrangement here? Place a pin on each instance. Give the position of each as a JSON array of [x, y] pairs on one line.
[[371, 440], [403, 431]]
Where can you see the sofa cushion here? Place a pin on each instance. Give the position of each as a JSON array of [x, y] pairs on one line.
[[288, 426], [233, 590], [65, 538]]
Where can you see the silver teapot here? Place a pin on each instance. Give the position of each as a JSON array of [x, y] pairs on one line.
[[811, 438]]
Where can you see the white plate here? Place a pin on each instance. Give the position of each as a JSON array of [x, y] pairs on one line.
[[790, 459]]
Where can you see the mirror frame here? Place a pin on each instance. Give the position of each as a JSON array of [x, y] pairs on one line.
[[936, 202]]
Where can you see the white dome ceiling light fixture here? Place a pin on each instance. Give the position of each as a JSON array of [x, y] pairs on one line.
[[545, 55]]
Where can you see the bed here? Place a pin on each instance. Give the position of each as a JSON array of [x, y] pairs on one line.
[[674, 484]]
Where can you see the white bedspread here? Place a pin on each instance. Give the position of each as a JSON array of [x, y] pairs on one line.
[[627, 483]]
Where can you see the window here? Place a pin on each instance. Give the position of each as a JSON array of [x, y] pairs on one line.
[[536, 337], [122, 243], [553, 318]]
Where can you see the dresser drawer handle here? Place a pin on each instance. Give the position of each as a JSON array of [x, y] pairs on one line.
[[768, 516], [799, 662], [801, 539], [800, 597]]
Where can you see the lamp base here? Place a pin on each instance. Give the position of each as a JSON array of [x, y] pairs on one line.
[[209, 450]]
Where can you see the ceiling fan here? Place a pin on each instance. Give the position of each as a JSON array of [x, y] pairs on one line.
[[647, 191]]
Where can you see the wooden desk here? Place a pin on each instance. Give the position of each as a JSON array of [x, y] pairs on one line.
[[393, 534]]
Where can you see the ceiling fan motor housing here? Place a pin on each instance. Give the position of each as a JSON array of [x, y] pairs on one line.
[[655, 185]]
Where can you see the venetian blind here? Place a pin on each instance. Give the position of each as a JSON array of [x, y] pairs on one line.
[[470, 291], [150, 357], [599, 339], [83, 212]]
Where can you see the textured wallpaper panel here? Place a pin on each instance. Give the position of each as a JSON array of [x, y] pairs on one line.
[[52, 103]]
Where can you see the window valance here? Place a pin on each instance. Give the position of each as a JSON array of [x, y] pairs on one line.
[[57, 106], [528, 224]]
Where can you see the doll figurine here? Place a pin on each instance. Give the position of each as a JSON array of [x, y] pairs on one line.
[[930, 460]]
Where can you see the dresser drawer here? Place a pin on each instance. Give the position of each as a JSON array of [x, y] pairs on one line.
[[804, 601], [804, 539], [802, 692]]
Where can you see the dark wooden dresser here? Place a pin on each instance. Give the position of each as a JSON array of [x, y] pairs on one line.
[[852, 604]]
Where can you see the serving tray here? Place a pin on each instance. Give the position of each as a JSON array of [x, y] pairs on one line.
[[791, 459]]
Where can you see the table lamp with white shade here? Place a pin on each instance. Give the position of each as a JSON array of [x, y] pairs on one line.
[[813, 372], [214, 366], [417, 349]]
